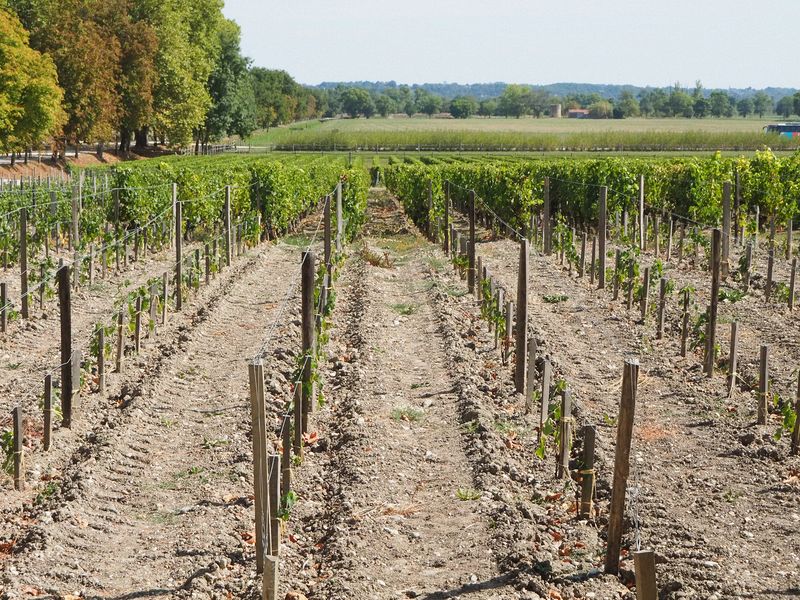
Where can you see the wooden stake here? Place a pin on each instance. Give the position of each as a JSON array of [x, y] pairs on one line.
[[522, 317], [269, 579], [286, 456], [631, 274], [471, 268], [763, 385], [547, 373], [617, 274], [669, 240], [642, 226], [582, 263], [531, 376], [19, 463], [208, 264], [137, 339], [662, 304], [65, 308], [546, 220], [48, 411], [226, 217], [711, 338], [307, 281], [565, 439], [770, 270], [274, 475], [789, 239], [120, 340], [726, 230], [101, 360], [795, 448], [644, 562], [733, 358], [627, 407], [298, 419], [23, 262], [446, 223], [259, 467], [594, 260], [643, 304], [791, 283], [3, 307], [748, 266], [179, 255], [587, 472]]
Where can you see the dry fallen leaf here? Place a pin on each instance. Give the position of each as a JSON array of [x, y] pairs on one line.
[[249, 537]]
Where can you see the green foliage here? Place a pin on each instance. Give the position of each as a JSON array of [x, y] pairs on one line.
[[788, 416], [555, 298], [7, 448]]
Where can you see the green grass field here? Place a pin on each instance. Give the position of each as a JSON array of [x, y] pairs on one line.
[[497, 134]]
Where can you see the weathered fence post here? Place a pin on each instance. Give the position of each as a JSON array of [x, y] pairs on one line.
[[522, 317], [587, 472], [763, 385], [101, 359], [19, 463], [565, 437], [120, 341], [711, 338], [65, 308], [733, 358], [339, 219], [547, 229], [471, 269], [48, 411], [726, 229], [748, 265], [178, 256], [630, 378], [23, 262], [644, 563], [642, 226], [792, 277], [3, 307], [643, 304], [602, 230], [226, 217], [259, 459], [308, 324]]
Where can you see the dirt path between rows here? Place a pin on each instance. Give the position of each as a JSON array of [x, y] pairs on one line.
[[157, 502], [393, 506]]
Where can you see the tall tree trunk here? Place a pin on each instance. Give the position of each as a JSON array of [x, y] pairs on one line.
[[141, 137], [125, 141]]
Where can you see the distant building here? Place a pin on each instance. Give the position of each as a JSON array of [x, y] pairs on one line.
[[578, 113], [555, 111]]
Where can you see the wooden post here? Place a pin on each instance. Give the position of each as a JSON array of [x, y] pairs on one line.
[[547, 373], [617, 274], [763, 385], [685, 326], [339, 219], [259, 459], [681, 239], [65, 308], [791, 283], [795, 447], [48, 411], [662, 304], [429, 220], [770, 271], [593, 261], [587, 472], [75, 231], [471, 269], [726, 230], [179, 255], [669, 240], [531, 376], [274, 481], [643, 304], [120, 340], [269, 580], [642, 226], [326, 212], [3, 307], [226, 217], [737, 203], [656, 234], [19, 463], [582, 263], [733, 358], [137, 339], [748, 265], [565, 438], [298, 419], [631, 275], [499, 298], [101, 359], [309, 321], [446, 225], [522, 317], [602, 231], [711, 338], [644, 563], [547, 227], [23, 261], [286, 455], [630, 377], [789, 235], [506, 351]]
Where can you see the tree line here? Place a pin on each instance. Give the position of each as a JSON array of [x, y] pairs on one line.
[[131, 72]]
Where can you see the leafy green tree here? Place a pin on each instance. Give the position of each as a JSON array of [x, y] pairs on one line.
[[230, 85], [627, 105], [744, 106], [601, 110], [720, 104], [487, 108], [785, 107], [701, 107], [762, 104], [385, 105], [796, 103], [513, 101], [426, 102], [462, 107], [680, 103], [30, 99], [356, 101]]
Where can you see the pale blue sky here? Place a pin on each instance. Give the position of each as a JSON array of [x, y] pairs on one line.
[[724, 43]]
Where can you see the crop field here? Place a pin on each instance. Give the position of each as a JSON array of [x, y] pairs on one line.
[[497, 133], [310, 376]]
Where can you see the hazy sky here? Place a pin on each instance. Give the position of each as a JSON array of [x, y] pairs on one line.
[[724, 43]]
